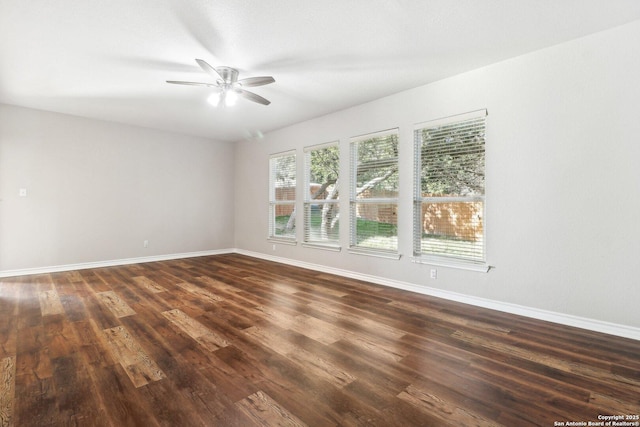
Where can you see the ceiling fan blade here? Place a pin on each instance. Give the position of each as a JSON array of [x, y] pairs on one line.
[[256, 81], [208, 69], [176, 82], [253, 97]]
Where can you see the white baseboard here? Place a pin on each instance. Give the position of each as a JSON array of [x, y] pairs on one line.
[[535, 313], [110, 263]]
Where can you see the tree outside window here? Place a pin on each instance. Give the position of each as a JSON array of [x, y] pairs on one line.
[[374, 193]]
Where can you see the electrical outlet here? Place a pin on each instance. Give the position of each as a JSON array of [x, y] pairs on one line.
[[434, 273], [145, 243], [274, 247]]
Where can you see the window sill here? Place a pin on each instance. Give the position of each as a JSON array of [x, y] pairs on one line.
[[282, 241], [480, 267], [374, 253], [323, 246]]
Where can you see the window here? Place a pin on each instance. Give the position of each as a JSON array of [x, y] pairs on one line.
[[282, 196], [449, 190], [374, 194], [321, 207]]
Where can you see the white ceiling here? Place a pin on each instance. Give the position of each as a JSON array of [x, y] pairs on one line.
[[110, 59]]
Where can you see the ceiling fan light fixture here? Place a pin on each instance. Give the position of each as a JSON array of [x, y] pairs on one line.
[[231, 97], [227, 97], [214, 98]]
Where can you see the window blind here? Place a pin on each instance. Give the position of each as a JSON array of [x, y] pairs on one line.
[[449, 202], [374, 192], [282, 196], [321, 196]]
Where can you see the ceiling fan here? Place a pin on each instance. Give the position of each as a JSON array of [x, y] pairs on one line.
[[229, 86]]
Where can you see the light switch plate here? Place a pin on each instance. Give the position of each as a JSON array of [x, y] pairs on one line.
[[22, 192]]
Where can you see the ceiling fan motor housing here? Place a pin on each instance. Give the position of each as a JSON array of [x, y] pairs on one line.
[[229, 75]]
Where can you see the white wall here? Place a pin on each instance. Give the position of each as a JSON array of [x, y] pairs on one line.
[[563, 178], [97, 190]]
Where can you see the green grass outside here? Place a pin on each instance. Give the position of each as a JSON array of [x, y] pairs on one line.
[[376, 235], [381, 235]]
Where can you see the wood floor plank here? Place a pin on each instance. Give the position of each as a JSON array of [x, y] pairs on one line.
[[9, 298], [265, 411], [7, 390], [307, 360], [450, 412], [276, 316], [74, 276], [50, 303], [113, 302], [196, 330], [216, 284], [73, 296], [171, 406], [343, 314], [120, 399], [93, 346], [445, 317], [137, 364], [192, 362], [276, 285], [614, 404], [35, 402], [94, 282], [200, 384], [550, 361], [148, 284], [204, 294], [74, 391], [60, 336], [32, 359], [319, 330], [230, 340]]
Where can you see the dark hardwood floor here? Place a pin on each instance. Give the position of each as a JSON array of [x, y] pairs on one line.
[[234, 341]]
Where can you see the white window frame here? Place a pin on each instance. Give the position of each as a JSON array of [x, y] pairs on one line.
[[442, 258], [354, 201], [308, 239], [274, 202]]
